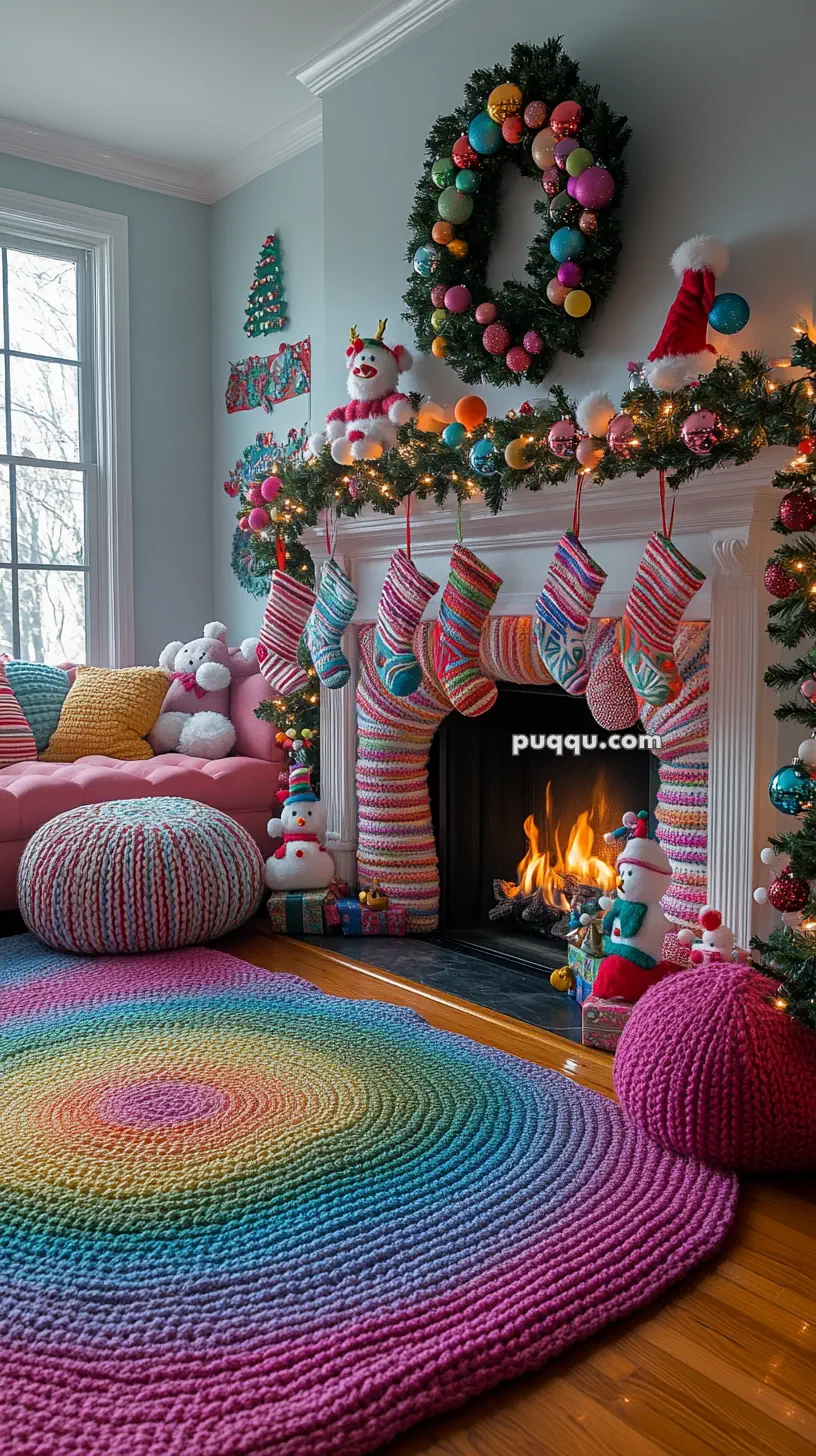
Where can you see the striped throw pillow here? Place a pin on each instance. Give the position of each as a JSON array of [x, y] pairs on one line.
[[16, 738]]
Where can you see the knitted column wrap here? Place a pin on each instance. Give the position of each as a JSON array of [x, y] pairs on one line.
[[508, 652], [395, 831]]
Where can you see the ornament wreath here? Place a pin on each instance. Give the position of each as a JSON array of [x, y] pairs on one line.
[[540, 116]]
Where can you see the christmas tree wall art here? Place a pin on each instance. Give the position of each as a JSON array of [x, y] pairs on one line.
[[266, 311]]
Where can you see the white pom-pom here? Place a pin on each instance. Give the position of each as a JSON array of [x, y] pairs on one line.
[[807, 751], [317, 443], [594, 413], [249, 648], [401, 412], [168, 656], [215, 630], [630, 819], [761, 895], [700, 252], [341, 451], [586, 919], [213, 676], [606, 902], [672, 372], [768, 854], [686, 936]]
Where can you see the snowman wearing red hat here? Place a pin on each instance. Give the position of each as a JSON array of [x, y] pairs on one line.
[[634, 926], [367, 426], [683, 353]]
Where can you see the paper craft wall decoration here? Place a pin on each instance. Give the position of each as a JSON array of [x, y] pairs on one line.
[[269, 379], [266, 310]]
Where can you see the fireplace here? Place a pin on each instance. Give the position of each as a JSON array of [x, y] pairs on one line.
[[519, 831]]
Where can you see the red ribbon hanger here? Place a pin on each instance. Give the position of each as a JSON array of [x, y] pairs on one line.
[[576, 510], [667, 530], [408, 525]]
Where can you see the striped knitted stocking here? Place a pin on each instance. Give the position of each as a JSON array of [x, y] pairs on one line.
[[287, 608], [563, 609], [405, 595], [664, 584], [466, 601], [330, 616]]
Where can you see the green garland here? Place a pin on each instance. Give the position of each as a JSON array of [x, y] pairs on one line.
[[543, 73]]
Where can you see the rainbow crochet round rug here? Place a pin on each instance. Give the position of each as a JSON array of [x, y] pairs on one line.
[[242, 1216]]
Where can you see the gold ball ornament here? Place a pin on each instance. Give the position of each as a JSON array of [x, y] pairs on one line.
[[561, 978], [588, 454], [577, 303], [504, 100], [517, 455], [458, 248], [439, 347]]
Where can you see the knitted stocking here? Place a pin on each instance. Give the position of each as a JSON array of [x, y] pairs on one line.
[[665, 582], [287, 608], [563, 609], [466, 601], [330, 616], [405, 595]]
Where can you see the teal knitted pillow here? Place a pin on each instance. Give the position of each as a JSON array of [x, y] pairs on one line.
[[41, 691]]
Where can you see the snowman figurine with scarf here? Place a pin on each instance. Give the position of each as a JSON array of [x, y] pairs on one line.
[[301, 862], [634, 926]]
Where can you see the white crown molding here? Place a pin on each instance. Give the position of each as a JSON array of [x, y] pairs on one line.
[[303, 131], [372, 38]]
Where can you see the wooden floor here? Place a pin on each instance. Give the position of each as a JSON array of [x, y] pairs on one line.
[[726, 1363]]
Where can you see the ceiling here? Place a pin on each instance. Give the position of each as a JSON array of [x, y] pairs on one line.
[[189, 84]]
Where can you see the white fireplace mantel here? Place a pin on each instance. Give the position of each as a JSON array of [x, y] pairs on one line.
[[722, 523]]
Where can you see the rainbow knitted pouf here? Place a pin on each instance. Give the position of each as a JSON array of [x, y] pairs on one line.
[[712, 1067], [241, 1216], [138, 874]]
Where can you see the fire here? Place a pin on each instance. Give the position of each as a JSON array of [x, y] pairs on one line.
[[548, 870]]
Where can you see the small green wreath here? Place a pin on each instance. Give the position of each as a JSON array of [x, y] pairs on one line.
[[535, 113]]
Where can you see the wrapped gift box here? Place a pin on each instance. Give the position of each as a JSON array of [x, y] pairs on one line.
[[297, 912], [357, 919], [603, 1021], [584, 968], [331, 915]]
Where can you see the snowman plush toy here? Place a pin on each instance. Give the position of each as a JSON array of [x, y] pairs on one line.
[[634, 926], [301, 863]]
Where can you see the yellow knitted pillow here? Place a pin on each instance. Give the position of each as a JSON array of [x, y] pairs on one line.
[[110, 711]]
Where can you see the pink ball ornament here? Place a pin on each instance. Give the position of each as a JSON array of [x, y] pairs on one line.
[[781, 584], [535, 114], [486, 313], [701, 431], [556, 292], [533, 342], [808, 689], [458, 299], [562, 151], [570, 274], [619, 436], [797, 510], [551, 181], [438, 294], [588, 454], [594, 189], [517, 359], [258, 519], [255, 497], [271, 487], [562, 438], [572, 183], [565, 118], [243, 523], [496, 339]]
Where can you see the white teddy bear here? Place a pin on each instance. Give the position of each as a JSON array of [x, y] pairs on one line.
[[195, 714]]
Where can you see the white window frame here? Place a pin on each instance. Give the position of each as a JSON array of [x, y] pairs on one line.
[[109, 508]]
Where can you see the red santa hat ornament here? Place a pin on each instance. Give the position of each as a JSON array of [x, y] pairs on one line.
[[682, 352]]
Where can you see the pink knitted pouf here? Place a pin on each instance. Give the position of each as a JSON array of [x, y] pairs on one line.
[[712, 1068]]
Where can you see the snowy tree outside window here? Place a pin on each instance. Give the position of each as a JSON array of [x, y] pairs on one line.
[[44, 461]]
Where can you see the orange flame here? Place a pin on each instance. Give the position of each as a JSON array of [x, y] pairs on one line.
[[547, 869]]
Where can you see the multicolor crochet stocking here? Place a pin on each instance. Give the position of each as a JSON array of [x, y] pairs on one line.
[[563, 609], [466, 602], [405, 595], [663, 586], [330, 616], [287, 608]]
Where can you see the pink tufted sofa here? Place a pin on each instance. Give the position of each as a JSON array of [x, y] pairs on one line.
[[242, 785]]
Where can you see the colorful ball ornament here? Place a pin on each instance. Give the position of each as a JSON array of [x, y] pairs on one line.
[[577, 303], [787, 893], [458, 299], [484, 458], [578, 161], [595, 188], [791, 789], [567, 244], [543, 149], [556, 292], [562, 438], [619, 436], [779, 583], [588, 223], [504, 100], [468, 181], [561, 207], [484, 135], [439, 347], [512, 130], [454, 433], [570, 274], [565, 118], [271, 487], [463, 153], [255, 497], [442, 232], [486, 313], [439, 318], [243, 523], [426, 260], [258, 519], [551, 181], [535, 114], [808, 689], [443, 172], [453, 206], [807, 445], [533, 342], [701, 431], [517, 455], [458, 248], [563, 149], [517, 359], [729, 313], [807, 752], [470, 411], [797, 510], [496, 339], [438, 294], [588, 454]]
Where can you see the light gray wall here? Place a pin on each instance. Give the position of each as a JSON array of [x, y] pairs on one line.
[[170, 395], [287, 201]]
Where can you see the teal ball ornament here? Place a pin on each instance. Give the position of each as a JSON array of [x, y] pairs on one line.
[[791, 789], [454, 206], [567, 244], [426, 260], [467, 180], [443, 172], [729, 313], [454, 433], [484, 458], [485, 135]]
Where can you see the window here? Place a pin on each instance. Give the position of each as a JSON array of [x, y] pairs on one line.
[[65, 549]]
